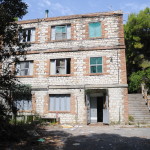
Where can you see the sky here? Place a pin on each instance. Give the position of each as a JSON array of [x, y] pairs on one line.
[[36, 8]]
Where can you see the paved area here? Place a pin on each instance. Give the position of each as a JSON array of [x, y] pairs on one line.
[[89, 138], [99, 138]]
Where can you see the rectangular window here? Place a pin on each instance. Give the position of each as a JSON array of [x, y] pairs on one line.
[[95, 29], [59, 102], [27, 35], [24, 68], [23, 104], [96, 65], [62, 32], [60, 66]]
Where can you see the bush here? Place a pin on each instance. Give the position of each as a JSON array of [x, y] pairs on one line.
[[137, 78]]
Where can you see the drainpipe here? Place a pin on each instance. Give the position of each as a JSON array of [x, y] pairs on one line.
[[118, 66], [77, 111]]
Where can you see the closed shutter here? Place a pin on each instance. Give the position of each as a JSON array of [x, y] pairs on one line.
[[62, 104], [25, 105], [32, 35], [53, 33], [21, 37], [52, 103], [57, 101], [53, 67], [68, 32], [95, 29], [23, 70], [67, 98], [18, 69], [31, 68], [29, 105]]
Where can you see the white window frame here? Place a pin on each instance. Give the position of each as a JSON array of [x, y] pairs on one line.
[[26, 31], [53, 66], [29, 69]]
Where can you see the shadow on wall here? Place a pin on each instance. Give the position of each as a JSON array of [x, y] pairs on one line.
[[55, 140]]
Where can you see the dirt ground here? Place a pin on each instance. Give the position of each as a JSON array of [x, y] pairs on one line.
[[85, 138]]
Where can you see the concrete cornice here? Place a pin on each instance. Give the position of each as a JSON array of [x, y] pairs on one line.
[[119, 12], [86, 86]]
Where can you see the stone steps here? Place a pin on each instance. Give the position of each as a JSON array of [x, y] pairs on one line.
[[138, 109]]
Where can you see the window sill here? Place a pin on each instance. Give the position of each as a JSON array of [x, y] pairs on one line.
[[65, 40], [34, 42], [59, 112], [24, 76], [96, 74], [93, 38], [26, 111], [60, 75]]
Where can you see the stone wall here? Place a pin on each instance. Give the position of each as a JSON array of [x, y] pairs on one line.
[[79, 49]]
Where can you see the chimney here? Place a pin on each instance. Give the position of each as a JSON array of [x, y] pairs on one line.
[[46, 13]]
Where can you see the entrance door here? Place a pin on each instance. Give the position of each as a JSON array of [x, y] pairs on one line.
[[106, 111], [93, 105], [100, 102], [97, 109], [88, 109]]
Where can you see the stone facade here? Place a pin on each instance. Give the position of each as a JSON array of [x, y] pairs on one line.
[[110, 46]]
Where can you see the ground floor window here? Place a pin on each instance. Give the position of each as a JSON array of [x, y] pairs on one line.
[[59, 102], [24, 105]]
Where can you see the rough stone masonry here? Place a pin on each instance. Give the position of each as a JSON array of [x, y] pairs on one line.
[[80, 81]]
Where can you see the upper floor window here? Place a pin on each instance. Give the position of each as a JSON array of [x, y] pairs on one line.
[[61, 32], [59, 102], [95, 29], [24, 68], [60, 66], [27, 35], [96, 65]]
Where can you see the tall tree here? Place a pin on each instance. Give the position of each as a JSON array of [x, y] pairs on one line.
[[137, 39], [10, 51]]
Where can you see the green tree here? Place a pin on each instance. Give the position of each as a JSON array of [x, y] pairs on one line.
[[137, 40], [10, 52], [136, 78]]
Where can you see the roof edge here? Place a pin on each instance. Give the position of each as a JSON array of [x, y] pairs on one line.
[[118, 12]]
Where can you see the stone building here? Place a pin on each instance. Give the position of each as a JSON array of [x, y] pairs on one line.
[[76, 67]]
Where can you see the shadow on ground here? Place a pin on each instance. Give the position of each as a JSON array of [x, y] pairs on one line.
[[61, 139]]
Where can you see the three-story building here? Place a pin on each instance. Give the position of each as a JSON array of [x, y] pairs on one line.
[[76, 67]]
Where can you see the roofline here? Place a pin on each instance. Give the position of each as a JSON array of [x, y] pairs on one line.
[[119, 12]]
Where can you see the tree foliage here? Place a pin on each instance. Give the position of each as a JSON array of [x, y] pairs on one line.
[[136, 78], [137, 39], [10, 52]]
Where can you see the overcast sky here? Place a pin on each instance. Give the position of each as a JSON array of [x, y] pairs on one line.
[[36, 8]]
